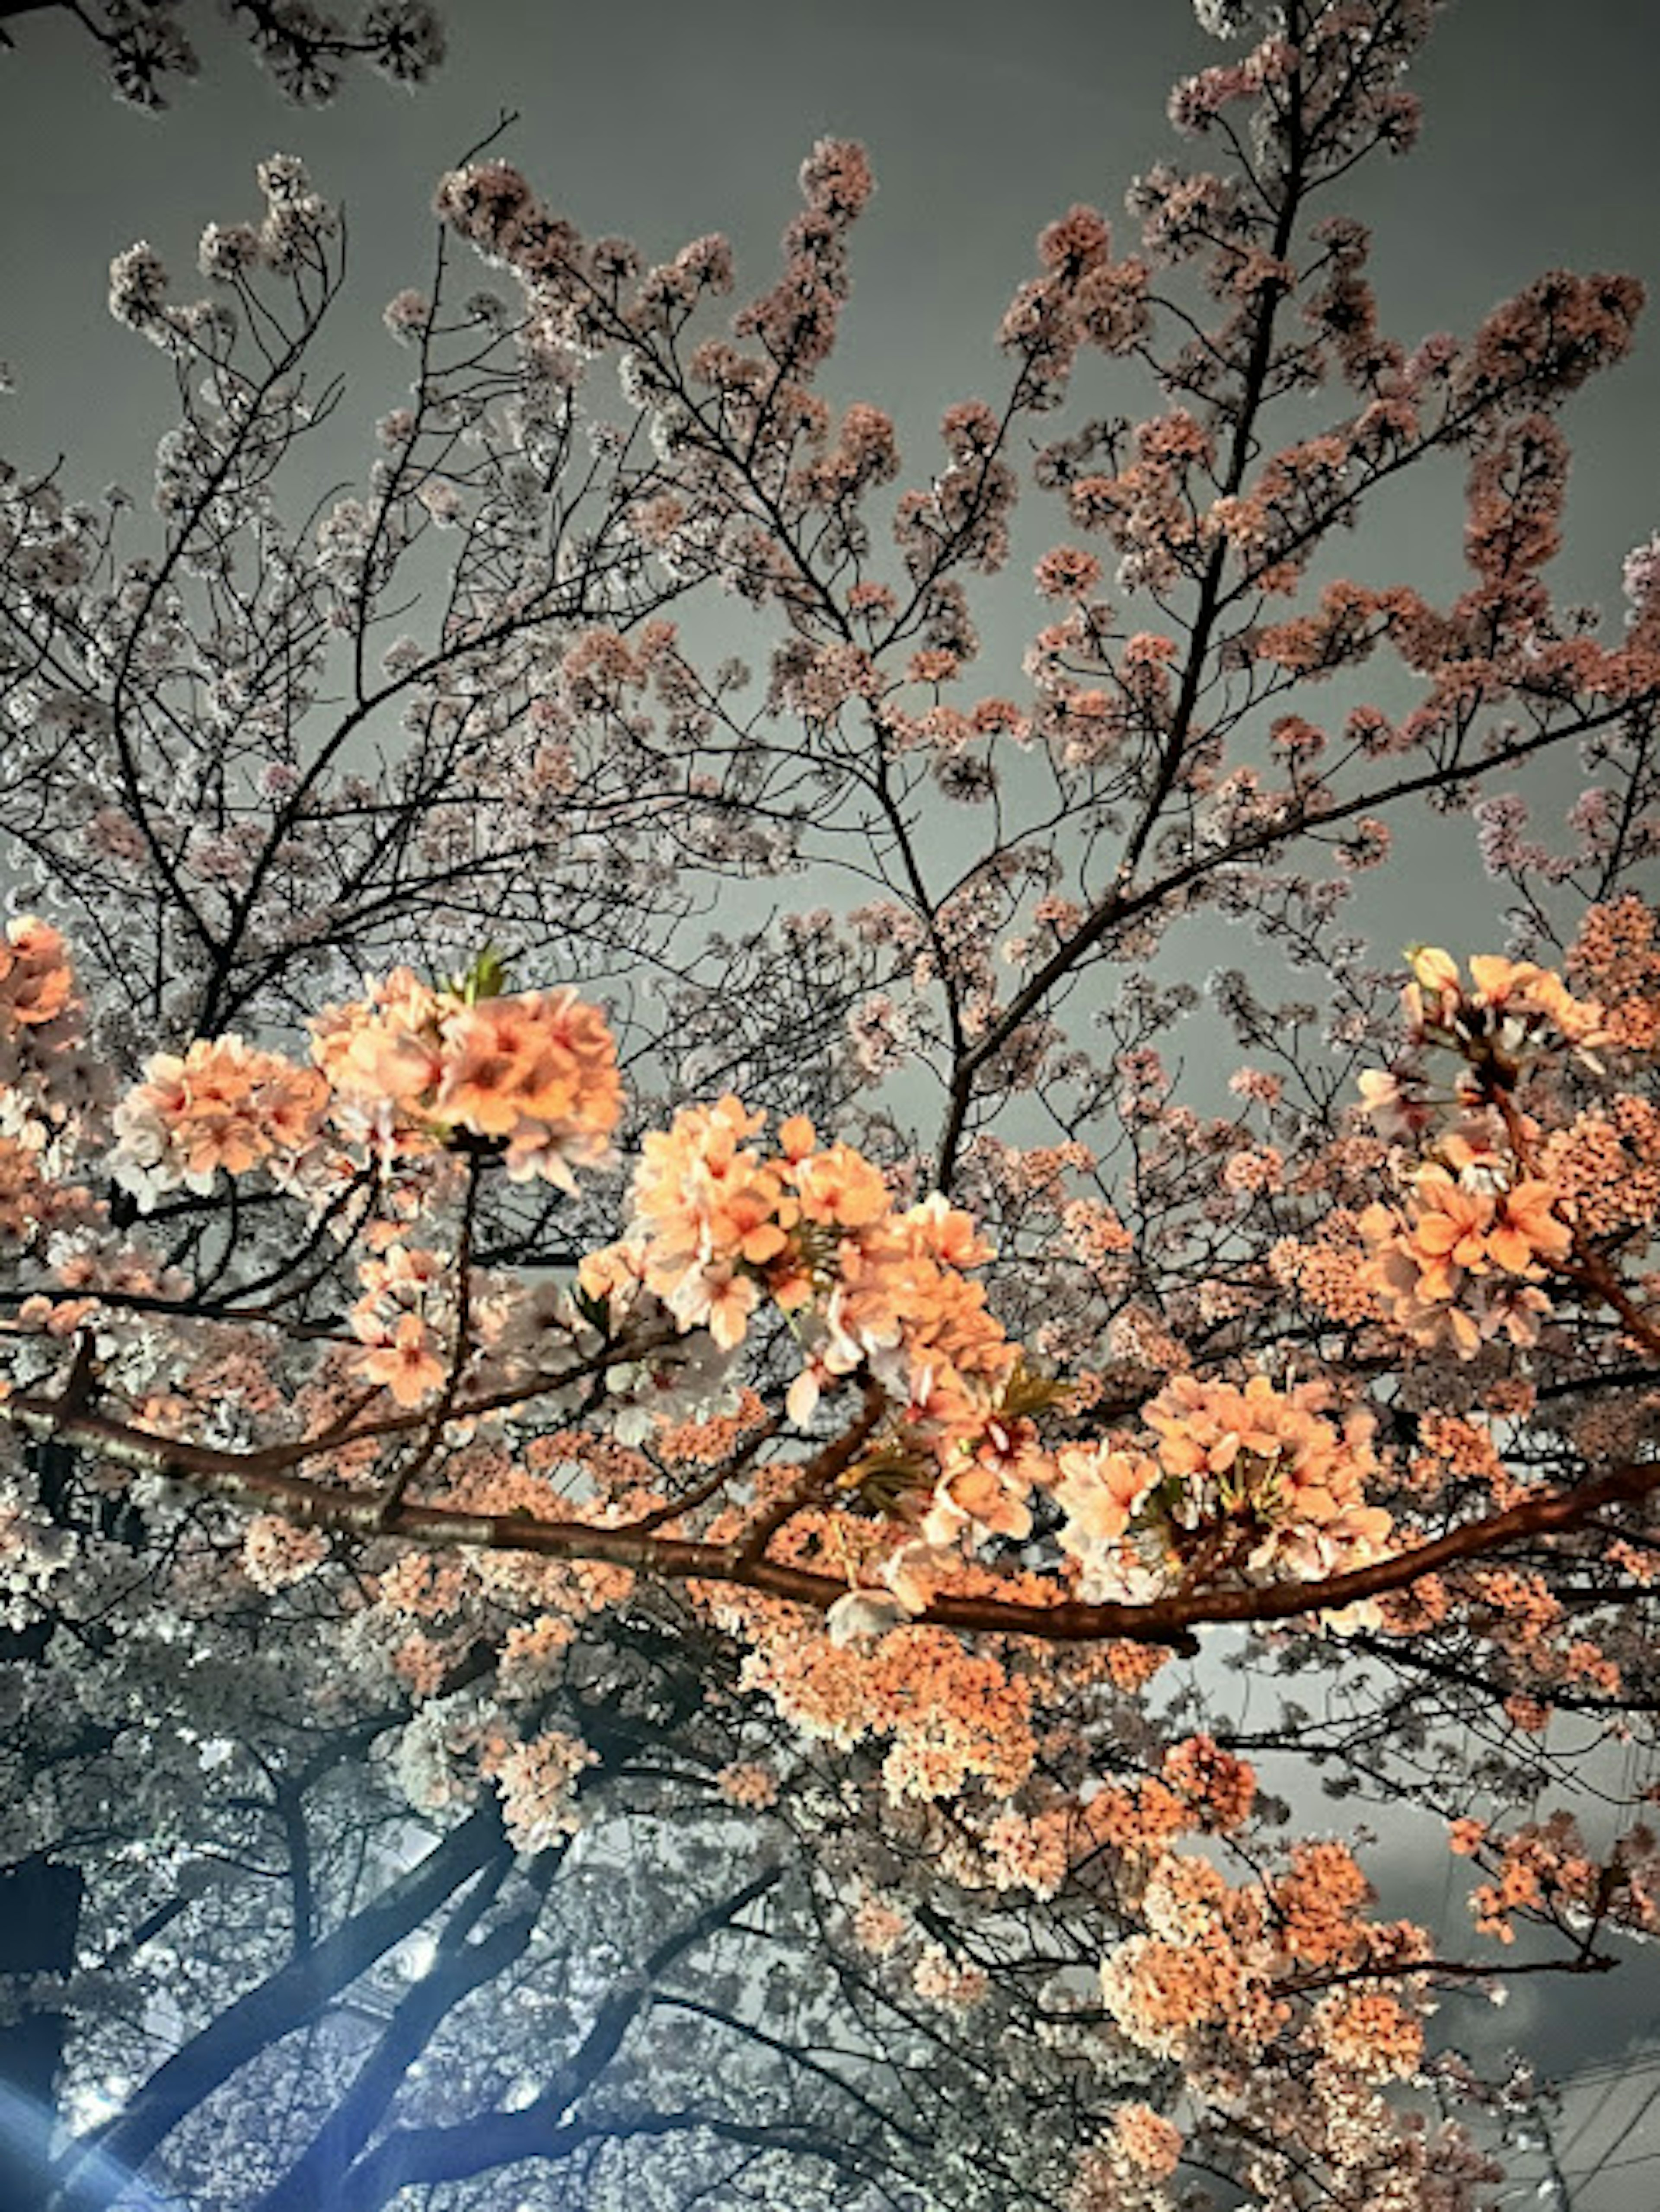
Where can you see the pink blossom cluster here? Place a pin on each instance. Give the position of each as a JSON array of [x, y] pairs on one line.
[[719, 1228], [407, 1069], [1082, 296], [221, 1103], [532, 1073], [1462, 1255], [44, 1075], [1457, 1260], [1250, 1481]]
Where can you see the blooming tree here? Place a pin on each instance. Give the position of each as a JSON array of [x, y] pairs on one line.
[[584, 1371], [146, 49]]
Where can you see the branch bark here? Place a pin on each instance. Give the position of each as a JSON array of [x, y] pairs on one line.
[[417, 2157], [246, 1479], [95, 2170], [313, 2183]]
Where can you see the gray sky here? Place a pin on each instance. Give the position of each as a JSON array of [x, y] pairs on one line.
[[984, 118]]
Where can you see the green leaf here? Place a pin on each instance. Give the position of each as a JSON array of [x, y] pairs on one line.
[[487, 978]]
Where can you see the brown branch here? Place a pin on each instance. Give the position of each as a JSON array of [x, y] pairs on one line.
[[714, 1483], [194, 1463], [1120, 905], [1584, 1961], [1592, 1275], [245, 1478], [813, 1481]]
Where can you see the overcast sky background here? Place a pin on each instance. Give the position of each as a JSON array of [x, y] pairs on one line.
[[984, 118]]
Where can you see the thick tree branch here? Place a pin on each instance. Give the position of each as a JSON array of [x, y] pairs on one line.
[[312, 2184], [92, 2171], [412, 2157], [246, 1479]]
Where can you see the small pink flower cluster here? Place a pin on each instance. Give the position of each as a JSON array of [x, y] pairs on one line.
[[535, 1071], [403, 1071], [717, 1227], [35, 982], [39, 1025], [1124, 2173], [1457, 1260], [1461, 1256], [953, 1716], [748, 1784], [393, 1321], [1251, 1482], [1546, 1870], [221, 1103], [1242, 1963], [538, 1783]]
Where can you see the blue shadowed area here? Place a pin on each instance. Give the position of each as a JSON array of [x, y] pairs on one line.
[[25, 2130]]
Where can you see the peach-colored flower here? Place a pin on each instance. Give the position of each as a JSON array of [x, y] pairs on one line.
[[35, 978], [538, 1069], [1098, 1491], [407, 1363], [1525, 1231], [980, 1494], [220, 1104], [1147, 2141], [1264, 1473], [840, 1186]]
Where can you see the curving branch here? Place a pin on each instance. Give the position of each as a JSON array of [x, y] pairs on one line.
[[246, 1478]]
